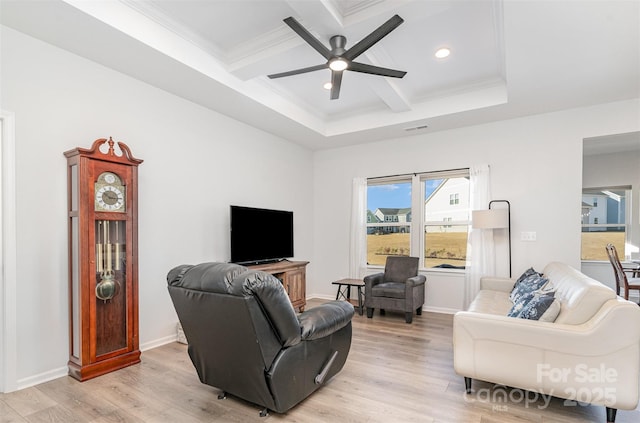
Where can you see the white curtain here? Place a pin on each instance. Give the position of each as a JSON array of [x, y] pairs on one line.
[[358, 241], [480, 247]]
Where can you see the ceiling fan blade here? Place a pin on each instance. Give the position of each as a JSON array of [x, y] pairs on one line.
[[308, 37], [336, 81], [375, 70], [373, 38], [298, 71]]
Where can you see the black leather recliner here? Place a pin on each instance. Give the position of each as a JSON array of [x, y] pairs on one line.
[[245, 338]]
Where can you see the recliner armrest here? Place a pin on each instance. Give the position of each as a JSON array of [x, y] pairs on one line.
[[325, 319]]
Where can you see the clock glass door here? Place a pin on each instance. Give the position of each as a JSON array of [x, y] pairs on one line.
[[111, 287]]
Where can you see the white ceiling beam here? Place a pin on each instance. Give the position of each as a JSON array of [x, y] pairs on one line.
[[389, 93], [386, 88], [328, 19], [258, 56]]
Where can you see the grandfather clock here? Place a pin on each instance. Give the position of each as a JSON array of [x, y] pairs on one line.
[[103, 258]]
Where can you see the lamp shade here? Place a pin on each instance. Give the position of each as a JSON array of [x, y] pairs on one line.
[[490, 219]]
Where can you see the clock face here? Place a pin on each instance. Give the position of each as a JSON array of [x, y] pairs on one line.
[[109, 194]]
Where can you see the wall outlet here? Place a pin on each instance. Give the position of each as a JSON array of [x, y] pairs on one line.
[[527, 236]]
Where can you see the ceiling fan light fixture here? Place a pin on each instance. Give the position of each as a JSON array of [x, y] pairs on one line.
[[443, 52], [339, 59], [338, 64]]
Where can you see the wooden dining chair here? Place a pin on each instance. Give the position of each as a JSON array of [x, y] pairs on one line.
[[620, 272]]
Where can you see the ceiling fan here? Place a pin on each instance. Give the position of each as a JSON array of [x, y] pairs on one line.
[[340, 59]]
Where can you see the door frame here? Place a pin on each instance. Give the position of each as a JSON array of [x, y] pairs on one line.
[[8, 295]]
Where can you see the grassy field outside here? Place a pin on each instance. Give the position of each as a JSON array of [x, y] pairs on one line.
[[451, 247], [442, 248], [593, 244]]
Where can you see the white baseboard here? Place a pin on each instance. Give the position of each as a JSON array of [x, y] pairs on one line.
[[159, 342], [321, 297], [441, 310], [64, 371], [42, 378]]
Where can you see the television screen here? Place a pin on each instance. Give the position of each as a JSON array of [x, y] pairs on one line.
[[259, 235]]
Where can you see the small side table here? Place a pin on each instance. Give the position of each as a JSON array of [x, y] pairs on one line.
[[344, 291]]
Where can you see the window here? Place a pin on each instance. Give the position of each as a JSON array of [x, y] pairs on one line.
[[604, 221], [438, 234], [446, 245], [389, 205]]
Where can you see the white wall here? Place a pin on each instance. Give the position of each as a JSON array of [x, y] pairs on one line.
[[535, 161], [196, 163]]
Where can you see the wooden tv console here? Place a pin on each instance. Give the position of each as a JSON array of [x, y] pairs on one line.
[[292, 274]]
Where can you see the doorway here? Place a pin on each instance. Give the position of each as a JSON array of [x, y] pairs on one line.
[[610, 201]]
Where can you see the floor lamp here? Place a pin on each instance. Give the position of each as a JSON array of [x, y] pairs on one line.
[[494, 219]]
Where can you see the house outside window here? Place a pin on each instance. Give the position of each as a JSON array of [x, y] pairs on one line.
[[604, 221], [390, 208], [446, 245], [391, 230]]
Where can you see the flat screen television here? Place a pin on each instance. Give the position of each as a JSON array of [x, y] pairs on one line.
[[260, 235]]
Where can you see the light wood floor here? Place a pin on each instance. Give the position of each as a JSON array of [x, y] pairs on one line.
[[395, 373]]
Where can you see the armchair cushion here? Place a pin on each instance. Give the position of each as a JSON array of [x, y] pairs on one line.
[[399, 269], [389, 289]]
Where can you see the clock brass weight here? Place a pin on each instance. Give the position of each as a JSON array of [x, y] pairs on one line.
[[103, 258]]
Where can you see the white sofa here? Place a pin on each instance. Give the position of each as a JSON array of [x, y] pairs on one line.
[[590, 353]]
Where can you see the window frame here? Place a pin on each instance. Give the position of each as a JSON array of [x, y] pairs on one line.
[[417, 226], [628, 209]]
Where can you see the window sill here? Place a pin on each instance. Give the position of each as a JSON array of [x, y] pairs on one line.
[[376, 269], [443, 270]]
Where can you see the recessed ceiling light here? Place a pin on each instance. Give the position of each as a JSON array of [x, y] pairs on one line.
[[327, 85], [443, 52]]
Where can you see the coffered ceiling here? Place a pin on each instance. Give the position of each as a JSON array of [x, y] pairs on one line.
[[508, 58]]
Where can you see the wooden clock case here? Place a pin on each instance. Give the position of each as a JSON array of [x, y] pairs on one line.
[[103, 259]]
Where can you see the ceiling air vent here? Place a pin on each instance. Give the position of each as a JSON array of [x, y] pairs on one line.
[[416, 128]]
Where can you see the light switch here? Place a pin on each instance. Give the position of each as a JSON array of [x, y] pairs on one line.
[[527, 236]]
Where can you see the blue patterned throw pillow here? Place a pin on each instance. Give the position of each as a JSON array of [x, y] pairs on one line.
[[520, 304], [529, 284], [542, 306], [526, 274]]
